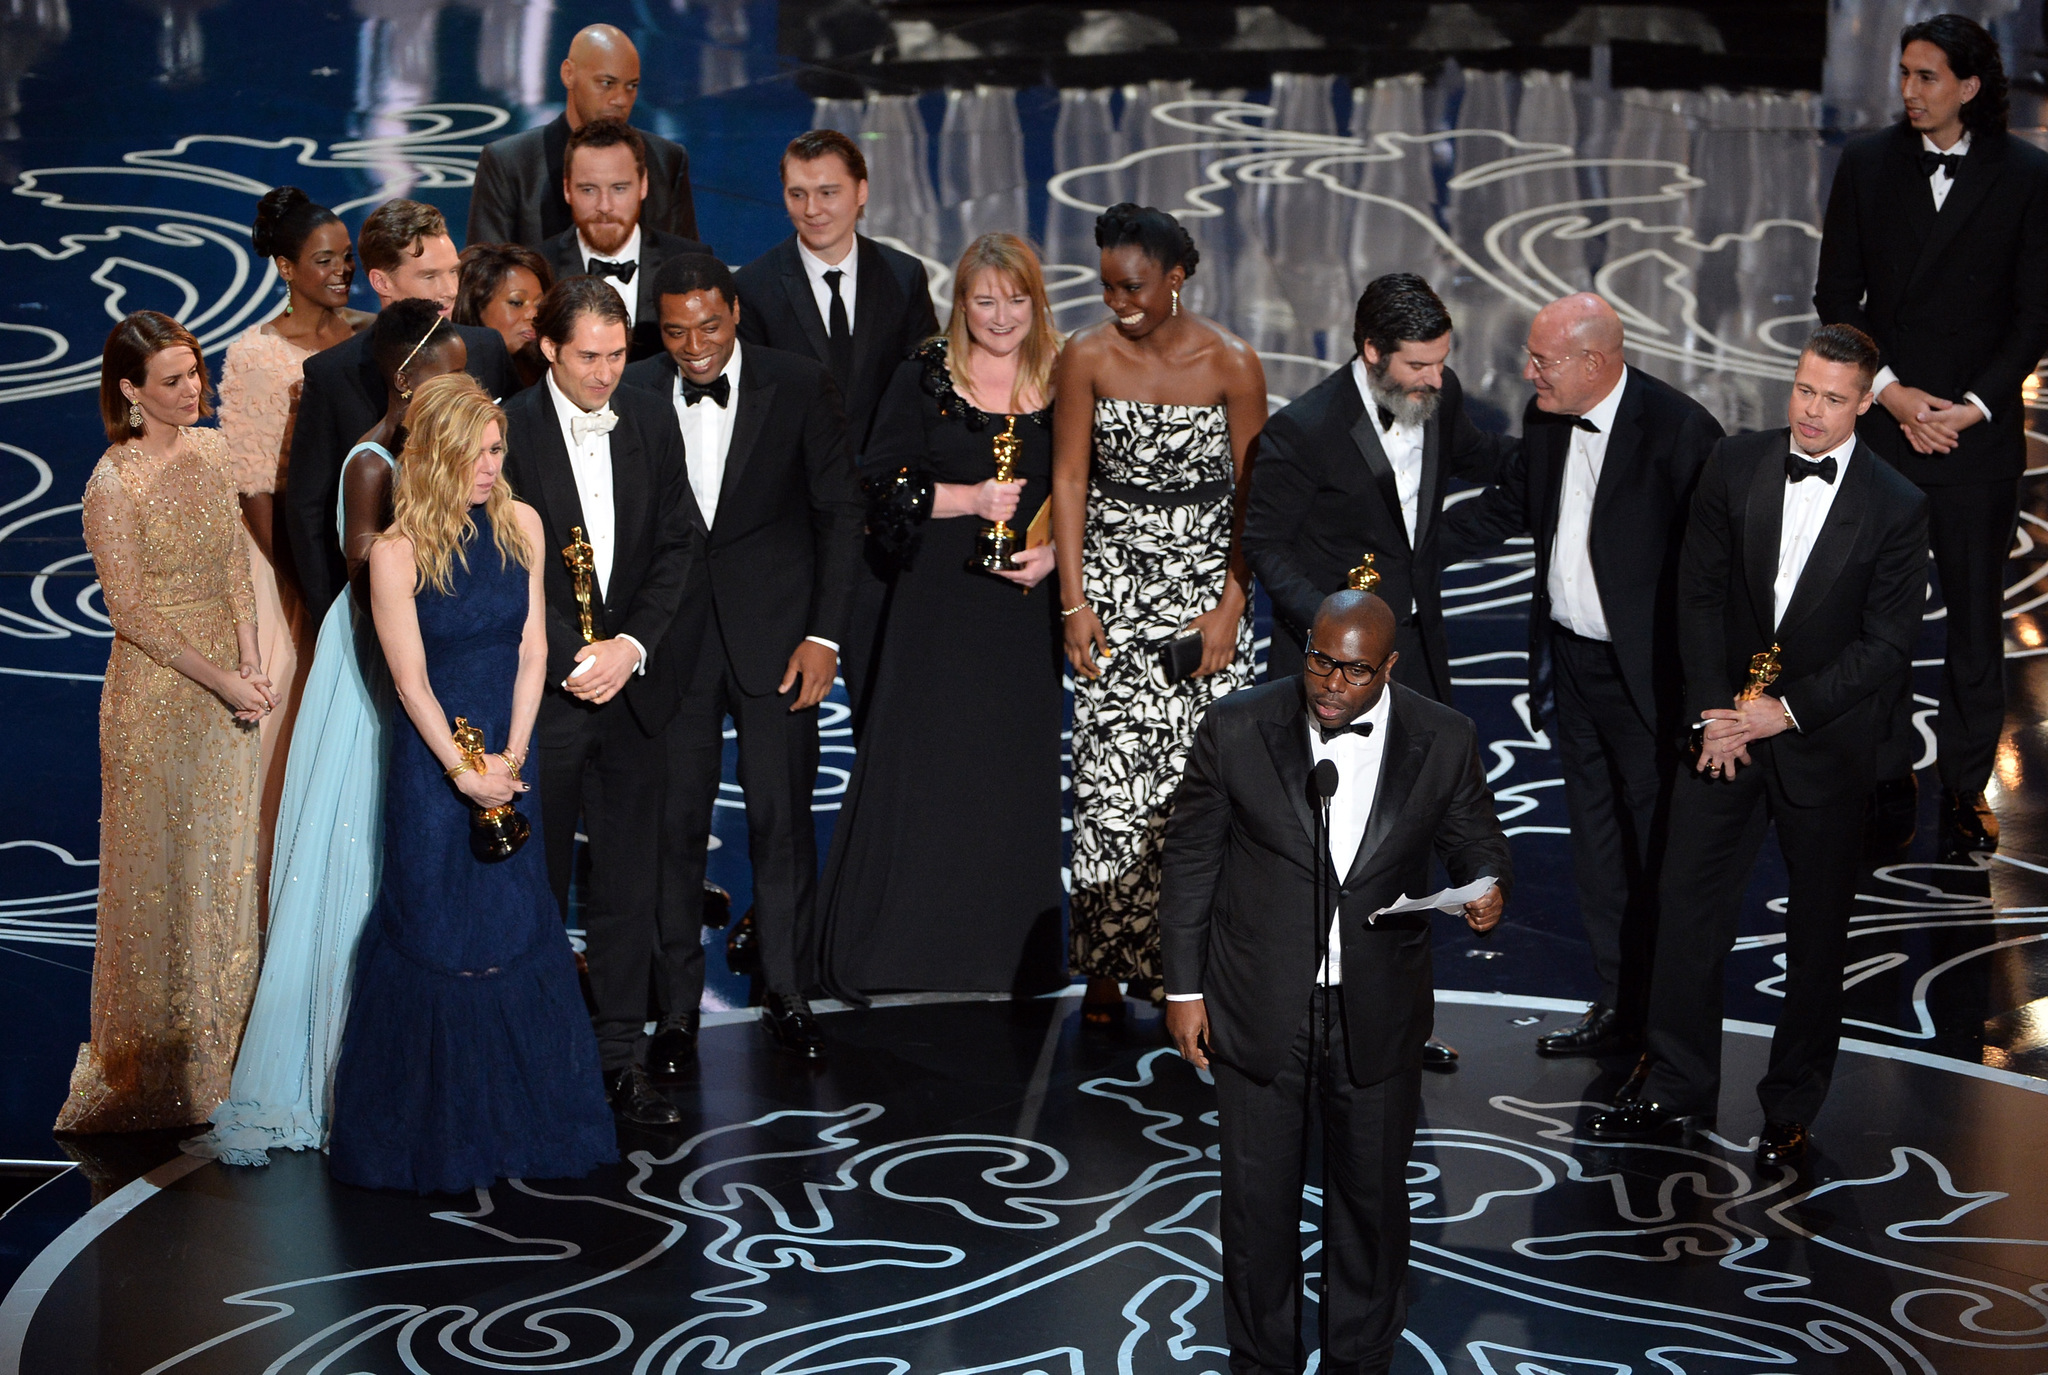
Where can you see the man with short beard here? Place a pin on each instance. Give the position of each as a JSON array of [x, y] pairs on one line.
[[1358, 466]]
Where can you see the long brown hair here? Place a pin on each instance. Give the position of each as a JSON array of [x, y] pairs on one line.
[[444, 428], [130, 346], [1012, 258]]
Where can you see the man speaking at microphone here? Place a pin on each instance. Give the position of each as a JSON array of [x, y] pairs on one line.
[[1308, 806]]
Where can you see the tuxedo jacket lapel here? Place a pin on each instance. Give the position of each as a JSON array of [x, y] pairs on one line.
[[796, 285], [1837, 540], [1907, 189], [561, 507], [1287, 741], [1763, 519], [1400, 766], [876, 303], [632, 499], [756, 397], [1428, 499], [1367, 440], [1979, 172]]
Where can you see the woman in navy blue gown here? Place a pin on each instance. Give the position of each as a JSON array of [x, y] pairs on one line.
[[468, 1055]]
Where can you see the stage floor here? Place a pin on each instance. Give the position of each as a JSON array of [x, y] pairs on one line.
[[1674, 157]]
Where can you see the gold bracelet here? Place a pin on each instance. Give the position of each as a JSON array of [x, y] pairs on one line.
[[458, 771], [512, 761], [1078, 606]]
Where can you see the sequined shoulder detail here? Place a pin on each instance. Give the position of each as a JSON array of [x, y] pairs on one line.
[[937, 381]]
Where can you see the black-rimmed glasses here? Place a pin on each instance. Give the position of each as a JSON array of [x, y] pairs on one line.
[[1357, 672]]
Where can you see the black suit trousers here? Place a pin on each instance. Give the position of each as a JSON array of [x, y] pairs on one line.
[[599, 768], [1265, 1131], [778, 767], [1411, 670], [1970, 527], [1614, 786], [1716, 830]]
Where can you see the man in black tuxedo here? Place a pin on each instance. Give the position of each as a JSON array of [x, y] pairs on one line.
[[604, 467], [1805, 547], [407, 254], [1601, 481], [605, 180], [831, 294], [1285, 983], [517, 197], [1358, 465], [1936, 245], [775, 491]]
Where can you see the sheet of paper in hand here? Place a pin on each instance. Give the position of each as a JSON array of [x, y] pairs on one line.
[[1448, 900]]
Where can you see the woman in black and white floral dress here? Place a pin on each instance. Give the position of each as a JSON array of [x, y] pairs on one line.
[[1152, 433]]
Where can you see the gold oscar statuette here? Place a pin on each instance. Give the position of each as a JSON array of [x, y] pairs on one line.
[[1363, 578], [1764, 669], [996, 550], [582, 562], [495, 833]]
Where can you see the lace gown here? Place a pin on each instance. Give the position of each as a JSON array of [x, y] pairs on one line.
[[329, 853], [1155, 554], [175, 962]]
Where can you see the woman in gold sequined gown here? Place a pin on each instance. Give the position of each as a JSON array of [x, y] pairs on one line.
[[175, 963]]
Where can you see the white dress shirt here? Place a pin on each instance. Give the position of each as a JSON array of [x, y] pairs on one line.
[[1402, 445], [1805, 511], [1574, 595], [815, 268], [590, 463], [707, 434], [629, 252], [1940, 183]]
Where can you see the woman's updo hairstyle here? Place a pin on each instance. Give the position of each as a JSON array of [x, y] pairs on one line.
[[1151, 229], [285, 218]]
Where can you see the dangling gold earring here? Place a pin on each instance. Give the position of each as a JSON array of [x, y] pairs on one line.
[[1176, 300], [135, 416]]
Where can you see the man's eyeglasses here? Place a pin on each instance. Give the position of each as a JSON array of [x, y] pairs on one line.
[[1357, 672], [1546, 366]]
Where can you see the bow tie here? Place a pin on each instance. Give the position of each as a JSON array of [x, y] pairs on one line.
[[1386, 418], [1930, 163], [1361, 729], [718, 389], [1798, 468], [582, 427], [623, 271]]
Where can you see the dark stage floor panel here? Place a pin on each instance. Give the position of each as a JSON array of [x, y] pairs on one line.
[[985, 1186]]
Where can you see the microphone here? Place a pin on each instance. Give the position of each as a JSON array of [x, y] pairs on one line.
[[1323, 783], [1324, 780]]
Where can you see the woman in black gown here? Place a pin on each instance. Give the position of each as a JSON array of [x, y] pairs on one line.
[[944, 872]]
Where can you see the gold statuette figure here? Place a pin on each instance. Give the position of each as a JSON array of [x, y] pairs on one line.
[[996, 551], [495, 833], [1764, 669], [582, 561], [1363, 578]]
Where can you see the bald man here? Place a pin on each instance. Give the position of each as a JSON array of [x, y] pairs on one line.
[[1284, 979], [519, 197], [1602, 481]]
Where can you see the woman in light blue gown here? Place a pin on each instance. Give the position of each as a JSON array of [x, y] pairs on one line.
[[327, 859]]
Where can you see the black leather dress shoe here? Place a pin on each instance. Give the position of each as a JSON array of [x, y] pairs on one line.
[[1640, 1121], [1597, 1033], [635, 1099], [1892, 816], [792, 1027], [1439, 1057], [1781, 1143], [1967, 826], [672, 1052]]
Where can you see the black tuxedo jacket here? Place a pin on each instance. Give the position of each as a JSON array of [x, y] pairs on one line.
[[654, 556], [565, 256], [342, 399], [781, 552], [1849, 629], [1957, 300], [1237, 912], [517, 197], [892, 315], [1323, 494], [1660, 439]]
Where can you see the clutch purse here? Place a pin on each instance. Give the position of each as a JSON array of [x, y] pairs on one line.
[[1180, 658]]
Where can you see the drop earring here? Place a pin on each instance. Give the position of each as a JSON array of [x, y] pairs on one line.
[[1176, 300], [135, 417]]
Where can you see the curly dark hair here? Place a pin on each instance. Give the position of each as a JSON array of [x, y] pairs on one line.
[[1159, 234], [1971, 51], [1398, 308], [572, 298], [484, 266]]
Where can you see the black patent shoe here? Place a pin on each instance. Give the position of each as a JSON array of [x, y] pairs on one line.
[[1967, 826], [789, 1023], [1781, 1143], [635, 1099], [672, 1052], [1599, 1032], [1438, 1057], [1641, 1121]]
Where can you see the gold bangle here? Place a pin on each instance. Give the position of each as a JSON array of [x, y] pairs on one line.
[[514, 762], [458, 771], [1078, 606]]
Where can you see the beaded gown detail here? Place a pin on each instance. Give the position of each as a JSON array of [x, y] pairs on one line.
[[323, 879], [468, 1055], [1155, 554], [174, 964]]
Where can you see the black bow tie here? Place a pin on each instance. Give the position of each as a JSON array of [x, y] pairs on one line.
[[623, 271], [1930, 163], [1577, 422], [1798, 468], [719, 389], [1361, 729]]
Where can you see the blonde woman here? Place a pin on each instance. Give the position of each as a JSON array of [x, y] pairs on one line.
[[468, 1056], [945, 865]]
